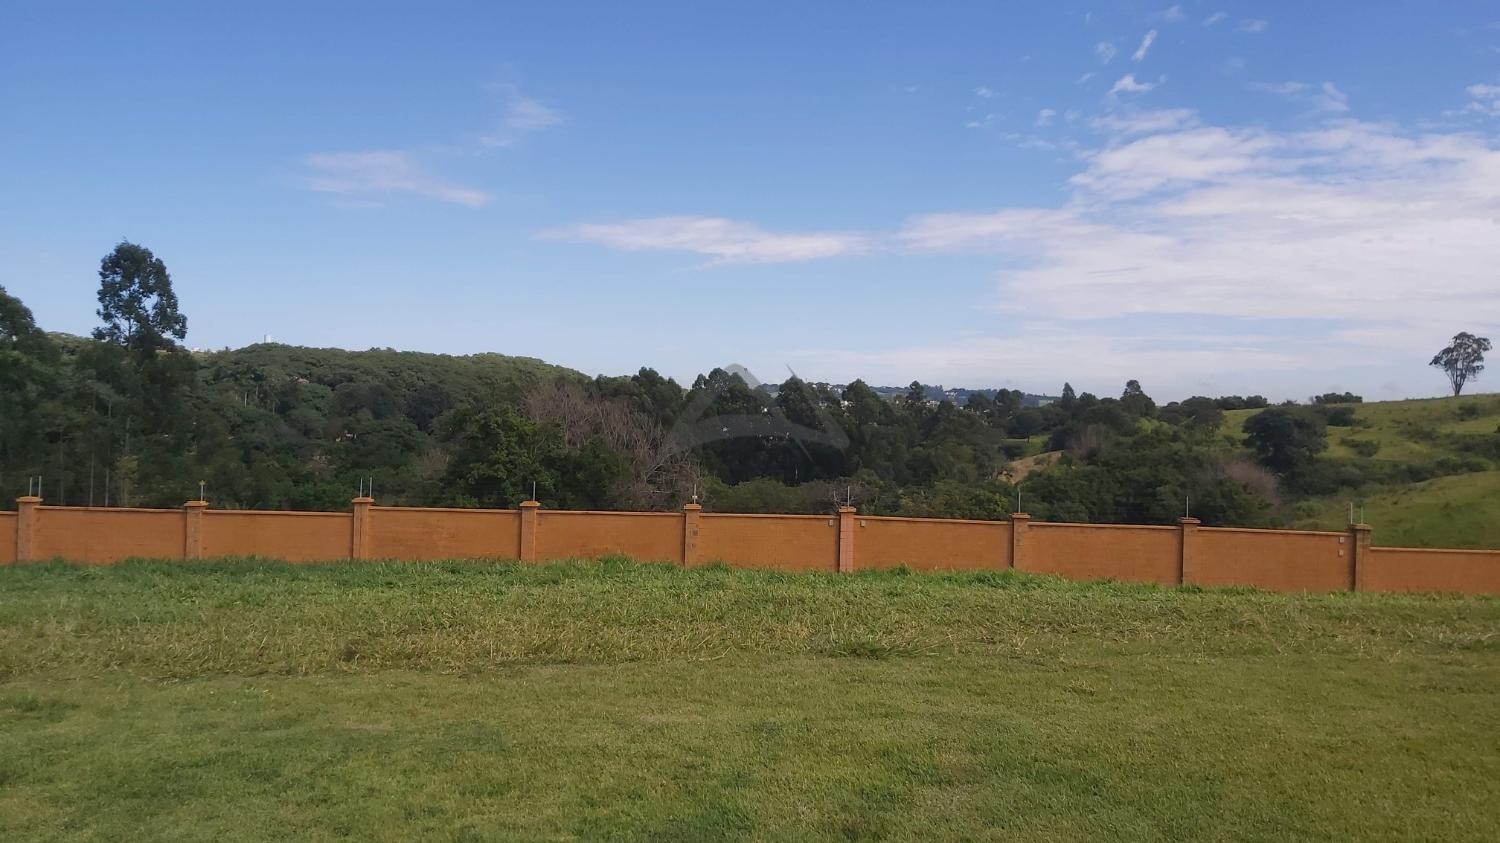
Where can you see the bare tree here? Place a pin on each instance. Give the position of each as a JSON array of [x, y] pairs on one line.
[[658, 478], [1462, 360]]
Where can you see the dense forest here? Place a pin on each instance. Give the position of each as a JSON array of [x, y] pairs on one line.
[[129, 417]]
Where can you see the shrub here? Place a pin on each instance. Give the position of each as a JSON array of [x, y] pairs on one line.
[[1338, 398], [1363, 447], [1419, 432], [1468, 411], [1337, 416]]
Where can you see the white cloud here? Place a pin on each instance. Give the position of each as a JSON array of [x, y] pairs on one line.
[[1216, 17], [1332, 98], [384, 172], [1127, 84], [1351, 222], [1044, 353], [1324, 97], [1285, 89], [984, 91], [1484, 99], [1044, 117], [1253, 25], [725, 241], [522, 116], [1146, 42], [1105, 52], [1251, 257], [359, 176], [1171, 14], [1135, 122]]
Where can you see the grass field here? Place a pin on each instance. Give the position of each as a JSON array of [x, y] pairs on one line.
[[1404, 431], [258, 701], [1456, 510]]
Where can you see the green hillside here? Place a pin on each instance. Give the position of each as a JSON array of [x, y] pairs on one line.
[[1433, 469], [1456, 511]]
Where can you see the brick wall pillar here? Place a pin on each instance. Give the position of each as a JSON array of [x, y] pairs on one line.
[[691, 516], [1187, 559], [26, 527], [846, 540], [359, 543], [1019, 522], [1359, 553], [192, 529], [528, 530]]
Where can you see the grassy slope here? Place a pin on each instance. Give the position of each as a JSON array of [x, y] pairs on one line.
[[249, 701], [1454, 511]]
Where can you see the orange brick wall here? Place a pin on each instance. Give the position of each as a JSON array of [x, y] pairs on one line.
[[1411, 569], [99, 536], [782, 542], [7, 538], [646, 536], [1100, 552], [928, 545], [1279, 560], [401, 533], [293, 536]]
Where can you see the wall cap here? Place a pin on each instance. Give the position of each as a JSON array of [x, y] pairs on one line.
[[530, 504]]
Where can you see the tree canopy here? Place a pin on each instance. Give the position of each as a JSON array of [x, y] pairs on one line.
[[1462, 360]]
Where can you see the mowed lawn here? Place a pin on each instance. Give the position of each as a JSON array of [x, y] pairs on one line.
[[258, 701]]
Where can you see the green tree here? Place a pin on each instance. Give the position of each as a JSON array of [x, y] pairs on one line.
[[1136, 402], [916, 396], [1462, 360], [28, 380], [137, 303], [1069, 398], [1286, 439], [499, 455]]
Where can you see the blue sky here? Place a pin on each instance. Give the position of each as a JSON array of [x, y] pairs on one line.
[[1215, 197]]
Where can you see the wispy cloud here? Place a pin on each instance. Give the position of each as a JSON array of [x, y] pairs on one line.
[[522, 116], [1028, 356], [1324, 97], [1135, 122], [1171, 14], [1483, 99], [1104, 52], [1146, 42], [984, 91], [1216, 17], [1128, 84], [1253, 25], [1332, 99], [1044, 117], [381, 173], [725, 241], [368, 174]]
